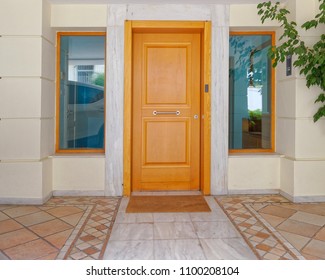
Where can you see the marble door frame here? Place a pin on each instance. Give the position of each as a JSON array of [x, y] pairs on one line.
[[118, 14]]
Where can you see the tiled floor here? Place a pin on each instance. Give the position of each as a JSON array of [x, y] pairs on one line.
[[63, 228], [239, 227], [177, 236], [276, 228]]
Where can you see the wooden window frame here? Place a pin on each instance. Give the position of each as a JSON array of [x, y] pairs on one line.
[[58, 56], [272, 149]]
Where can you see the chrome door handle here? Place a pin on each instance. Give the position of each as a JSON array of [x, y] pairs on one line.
[[155, 113]]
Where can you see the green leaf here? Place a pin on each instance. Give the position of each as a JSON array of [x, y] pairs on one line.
[[309, 60]]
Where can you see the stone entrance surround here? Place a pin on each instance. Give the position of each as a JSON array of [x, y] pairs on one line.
[[219, 16]]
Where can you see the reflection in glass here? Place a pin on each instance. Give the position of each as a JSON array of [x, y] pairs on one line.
[[82, 72], [250, 93]]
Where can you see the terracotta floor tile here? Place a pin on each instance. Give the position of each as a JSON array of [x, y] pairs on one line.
[[87, 238], [263, 247], [101, 227], [73, 219], [78, 256], [278, 211], [35, 218], [318, 209], [90, 251], [295, 240], [9, 225], [274, 221], [309, 218], [20, 211], [94, 242], [310, 257], [258, 207], [299, 228], [251, 231], [270, 256], [246, 225], [14, 238], [315, 248], [321, 234], [31, 250], [262, 235], [271, 242], [277, 252], [52, 256], [50, 227], [3, 216], [62, 211], [83, 246], [256, 239], [59, 239]]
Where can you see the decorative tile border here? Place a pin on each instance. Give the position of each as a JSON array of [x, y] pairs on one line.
[[277, 235], [264, 240], [90, 236]]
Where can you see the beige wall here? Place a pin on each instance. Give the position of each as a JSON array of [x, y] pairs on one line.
[[78, 175], [27, 68], [254, 174], [245, 17], [83, 16], [29, 171], [298, 138]]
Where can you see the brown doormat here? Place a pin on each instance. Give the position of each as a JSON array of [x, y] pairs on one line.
[[159, 203]]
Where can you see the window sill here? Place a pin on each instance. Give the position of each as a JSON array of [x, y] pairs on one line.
[[76, 155], [255, 155]]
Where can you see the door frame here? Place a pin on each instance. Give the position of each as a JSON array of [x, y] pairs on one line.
[[204, 27]]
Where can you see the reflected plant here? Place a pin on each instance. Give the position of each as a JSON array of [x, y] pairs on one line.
[[309, 59]]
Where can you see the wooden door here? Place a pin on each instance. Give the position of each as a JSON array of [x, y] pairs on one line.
[[166, 111]]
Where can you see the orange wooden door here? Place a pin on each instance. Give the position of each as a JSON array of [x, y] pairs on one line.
[[166, 112]]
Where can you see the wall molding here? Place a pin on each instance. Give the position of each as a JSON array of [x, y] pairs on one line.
[[303, 199], [253, 191], [78, 193], [25, 200]]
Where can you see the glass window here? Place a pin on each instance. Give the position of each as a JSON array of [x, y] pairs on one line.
[[250, 93], [81, 92]]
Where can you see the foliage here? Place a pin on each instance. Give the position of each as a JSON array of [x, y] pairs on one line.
[[99, 79], [243, 50], [255, 114], [310, 60]]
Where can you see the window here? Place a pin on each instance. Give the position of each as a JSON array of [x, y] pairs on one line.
[[81, 92], [251, 93]]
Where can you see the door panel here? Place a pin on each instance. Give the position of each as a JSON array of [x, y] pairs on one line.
[[165, 141], [166, 97], [166, 75]]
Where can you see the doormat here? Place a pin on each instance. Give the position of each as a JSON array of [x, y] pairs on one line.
[[167, 204]]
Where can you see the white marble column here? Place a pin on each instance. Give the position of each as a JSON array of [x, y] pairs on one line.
[[114, 100], [219, 99], [117, 14]]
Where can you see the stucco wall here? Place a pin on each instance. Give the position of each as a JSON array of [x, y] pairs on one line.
[[254, 174], [26, 101], [28, 170], [78, 175], [298, 138]]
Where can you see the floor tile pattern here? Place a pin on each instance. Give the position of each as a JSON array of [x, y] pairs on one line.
[[62, 228], [276, 228], [238, 227], [179, 236]]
